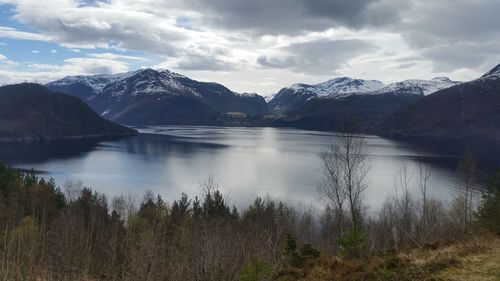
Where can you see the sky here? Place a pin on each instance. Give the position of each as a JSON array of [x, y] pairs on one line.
[[256, 46]]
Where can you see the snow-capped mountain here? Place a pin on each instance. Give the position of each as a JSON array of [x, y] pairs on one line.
[[339, 87], [468, 109], [493, 72], [291, 97], [295, 96], [417, 87], [140, 82], [127, 96]]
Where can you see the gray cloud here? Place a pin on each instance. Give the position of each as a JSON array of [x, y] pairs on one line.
[[221, 35], [276, 62], [202, 63], [204, 58], [357, 13], [295, 16], [454, 33], [325, 56], [463, 55]]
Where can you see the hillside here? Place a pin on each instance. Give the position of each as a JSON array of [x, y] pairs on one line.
[[149, 96], [290, 98], [328, 114], [417, 87], [465, 110], [30, 112]]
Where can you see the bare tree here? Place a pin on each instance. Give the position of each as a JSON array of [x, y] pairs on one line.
[[404, 204], [424, 174], [467, 172], [345, 167], [332, 188]]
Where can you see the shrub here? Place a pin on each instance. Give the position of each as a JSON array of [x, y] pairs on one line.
[[296, 258], [488, 214], [353, 243], [255, 270]]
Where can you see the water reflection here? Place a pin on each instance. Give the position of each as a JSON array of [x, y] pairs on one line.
[[281, 163], [14, 153]]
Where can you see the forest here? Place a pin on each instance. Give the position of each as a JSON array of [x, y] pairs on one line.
[[70, 232]]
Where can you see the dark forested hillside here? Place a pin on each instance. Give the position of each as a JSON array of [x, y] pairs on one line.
[[328, 114], [30, 111], [468, 109]]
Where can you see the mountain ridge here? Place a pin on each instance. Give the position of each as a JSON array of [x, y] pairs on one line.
[[293, 97], [126, 96], [468, 109]]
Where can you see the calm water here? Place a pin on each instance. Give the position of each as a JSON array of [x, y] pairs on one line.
[[247, 162]]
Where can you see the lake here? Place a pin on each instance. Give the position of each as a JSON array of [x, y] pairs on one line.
[[247, 162]]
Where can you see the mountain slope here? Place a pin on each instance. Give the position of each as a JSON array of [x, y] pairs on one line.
[[136, 96], [30, 111], [329, 114], [326, 105], [292, 97], [296, 96], [417, 87], [470, 109]]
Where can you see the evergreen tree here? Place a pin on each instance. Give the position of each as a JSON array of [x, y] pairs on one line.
[[488, 214]]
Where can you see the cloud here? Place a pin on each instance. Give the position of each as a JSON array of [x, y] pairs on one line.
[[280, 40], [454, 34], [113, 56], [320, 56], [202, 58], [44, 73], [202, 63], [447, 58], [294, 16], [96, 66], [276, 62], [103, 25], [12, 33], [5, 62]]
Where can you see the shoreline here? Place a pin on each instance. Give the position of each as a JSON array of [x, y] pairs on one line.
[[33, 139]]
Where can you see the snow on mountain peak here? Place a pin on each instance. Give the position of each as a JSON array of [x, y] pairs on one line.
[[417, 86], [441, 79], [143, 81], [494, 71], [338, 87]]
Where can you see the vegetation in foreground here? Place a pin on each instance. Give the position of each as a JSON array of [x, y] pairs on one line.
[[78, 234]]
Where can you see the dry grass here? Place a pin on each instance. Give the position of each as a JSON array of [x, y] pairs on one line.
[[475, 259], [479, 266]]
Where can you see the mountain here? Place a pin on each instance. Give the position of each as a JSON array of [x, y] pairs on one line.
[[324, 106], [329, 114], [417, 87], [149, 96], [470, 109], [493, 72], [30, 112], [292, 97]]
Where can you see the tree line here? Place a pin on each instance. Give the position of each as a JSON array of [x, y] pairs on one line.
[[49, 232]]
